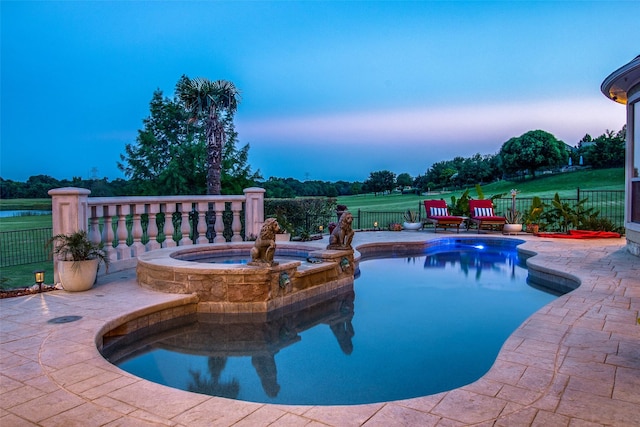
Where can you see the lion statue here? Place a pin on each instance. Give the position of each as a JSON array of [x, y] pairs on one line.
[[265, 246], [342, 235]]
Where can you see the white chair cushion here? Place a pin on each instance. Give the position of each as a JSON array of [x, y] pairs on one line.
[[483, 212], [439, 212]]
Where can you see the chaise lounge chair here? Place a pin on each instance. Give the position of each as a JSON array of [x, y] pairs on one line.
[[482, 216], [438, 215]]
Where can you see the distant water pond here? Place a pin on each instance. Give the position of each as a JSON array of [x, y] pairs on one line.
[[23, 212]]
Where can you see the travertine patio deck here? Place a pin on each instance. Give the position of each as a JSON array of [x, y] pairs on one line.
[[575, 362]]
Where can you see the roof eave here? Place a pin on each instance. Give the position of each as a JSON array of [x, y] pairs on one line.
[[618, 83]]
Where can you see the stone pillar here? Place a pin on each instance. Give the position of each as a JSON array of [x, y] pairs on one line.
[[253, 212], [69, 212]]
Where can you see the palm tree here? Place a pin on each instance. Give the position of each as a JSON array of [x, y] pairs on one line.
[[210, 101]]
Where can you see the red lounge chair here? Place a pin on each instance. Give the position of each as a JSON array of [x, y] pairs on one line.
[[438, 215], [482, 216]]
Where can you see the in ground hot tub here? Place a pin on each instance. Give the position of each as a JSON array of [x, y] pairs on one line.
[[303, 273]]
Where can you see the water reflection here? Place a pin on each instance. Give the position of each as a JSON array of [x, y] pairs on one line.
[[220, 337], [476, 260], [212, 385]]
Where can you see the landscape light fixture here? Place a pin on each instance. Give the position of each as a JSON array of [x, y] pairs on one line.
[[375, 226], [39, 278]]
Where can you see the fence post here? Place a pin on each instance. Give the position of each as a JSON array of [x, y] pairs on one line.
[[253, 211], [359, 213], [69, 213], [578, 194]]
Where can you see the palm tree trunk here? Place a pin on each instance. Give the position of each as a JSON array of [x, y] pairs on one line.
[[215, 141], [215, 137]]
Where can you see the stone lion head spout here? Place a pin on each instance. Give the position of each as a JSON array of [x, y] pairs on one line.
[[342, 236], [265, 247]]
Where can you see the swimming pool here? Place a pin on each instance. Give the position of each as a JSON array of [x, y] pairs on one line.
[[411, 326]]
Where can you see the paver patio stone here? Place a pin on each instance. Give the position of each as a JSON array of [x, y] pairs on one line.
[[162, 401], [517, 417], [88, 413], [47, 406], [115, 405], [396, 415], [599, 409], [544, 419], [20, 395], [216, 412], [12, 420], [575, 362], [469, 408], [264, 416], [343, 415]]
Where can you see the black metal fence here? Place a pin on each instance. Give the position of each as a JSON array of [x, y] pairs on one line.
[[24, 246], [609, 204]]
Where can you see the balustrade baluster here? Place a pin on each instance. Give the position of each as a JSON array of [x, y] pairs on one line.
[[202, 223], [107, 232], [152, 228], [94, 226], [170, 208], [185, 226], [236, 224], [219, 225], [122, 249], [137, 248]]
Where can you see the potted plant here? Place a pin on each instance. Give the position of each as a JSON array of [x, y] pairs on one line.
[[286, 228], [411, 221], [533, 215], [78, 259], [513, 216]]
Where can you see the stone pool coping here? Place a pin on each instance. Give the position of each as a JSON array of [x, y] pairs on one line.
[[575, 361]]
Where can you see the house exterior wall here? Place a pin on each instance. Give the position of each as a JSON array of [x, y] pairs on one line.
[[623, 86]]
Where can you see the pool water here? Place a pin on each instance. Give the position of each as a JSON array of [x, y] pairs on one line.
[[412, 326]]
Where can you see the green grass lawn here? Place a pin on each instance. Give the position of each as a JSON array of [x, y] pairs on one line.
[[20, 276], [28, 221], [544, 186], [25, 204], [25, 222]]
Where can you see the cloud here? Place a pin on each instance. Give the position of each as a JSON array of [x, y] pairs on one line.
[[567, 119]]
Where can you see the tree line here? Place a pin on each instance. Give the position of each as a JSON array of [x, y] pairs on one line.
[[188, 145], [604, 151], [518, 158]]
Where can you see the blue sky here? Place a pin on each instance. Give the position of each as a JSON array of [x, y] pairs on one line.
[[330, 90]]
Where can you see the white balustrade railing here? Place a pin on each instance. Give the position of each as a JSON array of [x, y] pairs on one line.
[[128, 226]]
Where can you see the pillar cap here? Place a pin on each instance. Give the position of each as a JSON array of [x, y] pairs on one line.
[[69, 191]]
